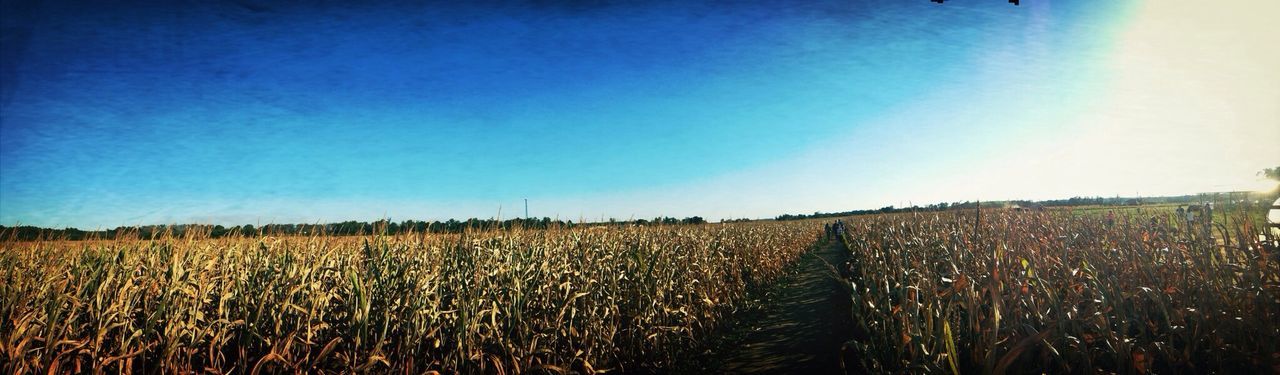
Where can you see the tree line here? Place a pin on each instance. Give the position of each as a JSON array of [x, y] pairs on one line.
[[345, 228], [968, 205]]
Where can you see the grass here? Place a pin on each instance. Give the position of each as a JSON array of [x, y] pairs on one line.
[[1228, 207], [546, 301]]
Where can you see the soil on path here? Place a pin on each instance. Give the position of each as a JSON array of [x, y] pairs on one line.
[[798, 327]]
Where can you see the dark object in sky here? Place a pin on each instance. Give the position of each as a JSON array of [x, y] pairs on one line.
[[1014, 2], [253, 7]]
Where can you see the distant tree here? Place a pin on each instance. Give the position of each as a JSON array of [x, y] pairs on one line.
[[1271, 173]]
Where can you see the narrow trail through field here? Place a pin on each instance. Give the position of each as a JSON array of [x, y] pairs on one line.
[[798, 329]]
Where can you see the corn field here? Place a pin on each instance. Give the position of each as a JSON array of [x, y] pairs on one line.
[[997, 291], [501, 301]]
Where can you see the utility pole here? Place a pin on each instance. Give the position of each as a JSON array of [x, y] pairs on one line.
[[526, 208]]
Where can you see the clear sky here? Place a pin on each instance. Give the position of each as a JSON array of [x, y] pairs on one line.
[[257, 111]]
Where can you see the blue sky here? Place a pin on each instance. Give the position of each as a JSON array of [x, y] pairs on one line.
[[244, 112]]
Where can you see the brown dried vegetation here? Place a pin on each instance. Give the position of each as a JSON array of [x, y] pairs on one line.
[[517, 301], [1033, 292]]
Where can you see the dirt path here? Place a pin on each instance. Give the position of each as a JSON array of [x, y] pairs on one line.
[[799, 328]]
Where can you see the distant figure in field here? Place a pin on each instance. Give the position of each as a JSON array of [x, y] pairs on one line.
[[826, 227], [1111, 218], [1191, 219], [1208, 219], [1180, 212]]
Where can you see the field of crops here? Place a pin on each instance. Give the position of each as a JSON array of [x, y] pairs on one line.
[[1057, 292], [513, 301]]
